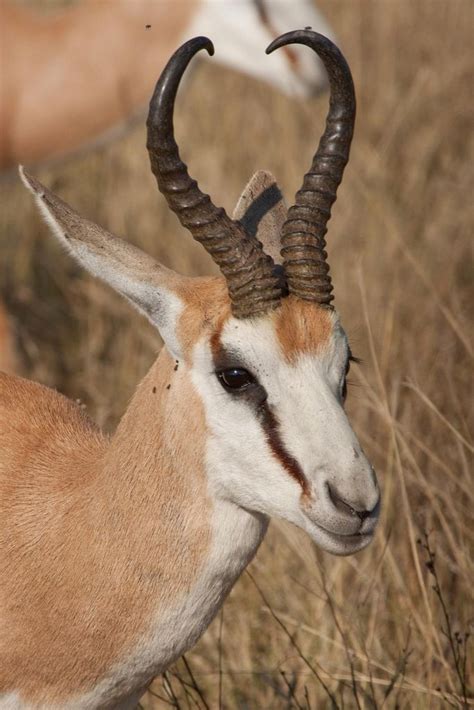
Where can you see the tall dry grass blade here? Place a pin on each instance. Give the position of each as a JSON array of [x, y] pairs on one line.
[[426, 400]]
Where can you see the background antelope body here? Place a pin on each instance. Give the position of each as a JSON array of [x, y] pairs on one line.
[[130, 40]]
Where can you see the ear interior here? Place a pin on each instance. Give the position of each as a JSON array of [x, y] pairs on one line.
[[261, 209], [150, 287]]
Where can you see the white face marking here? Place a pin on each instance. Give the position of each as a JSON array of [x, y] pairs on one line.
[[241, 37], [304, 398]]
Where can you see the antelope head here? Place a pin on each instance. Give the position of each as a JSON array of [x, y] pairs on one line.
[[262, 346], [292, 71]]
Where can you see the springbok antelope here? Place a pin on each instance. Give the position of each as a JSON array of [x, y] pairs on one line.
[[110, 58], [116, 553]]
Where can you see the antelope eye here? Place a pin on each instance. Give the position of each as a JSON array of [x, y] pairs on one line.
[[235, 378]]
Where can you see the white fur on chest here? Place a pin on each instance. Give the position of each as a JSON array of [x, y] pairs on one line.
[[236, 537]]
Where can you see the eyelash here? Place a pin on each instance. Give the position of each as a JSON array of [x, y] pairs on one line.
[[351, 358]]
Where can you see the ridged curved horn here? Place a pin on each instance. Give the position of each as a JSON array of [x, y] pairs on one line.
[[249, 272], [303, 243]]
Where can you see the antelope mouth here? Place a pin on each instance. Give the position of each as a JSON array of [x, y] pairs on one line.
[[337, 543]]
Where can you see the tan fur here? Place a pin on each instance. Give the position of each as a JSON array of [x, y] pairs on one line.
[[207, 309], [91, 527], [87, 102], [302, 327]]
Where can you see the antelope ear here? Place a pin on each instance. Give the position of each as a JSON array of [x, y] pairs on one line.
[[261, 209], [152, 288]]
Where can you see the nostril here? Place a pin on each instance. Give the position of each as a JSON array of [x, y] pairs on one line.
[[339, 503], [343, 507], [362, 514]]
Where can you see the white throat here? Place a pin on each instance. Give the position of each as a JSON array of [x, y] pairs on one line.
[[236, 536]]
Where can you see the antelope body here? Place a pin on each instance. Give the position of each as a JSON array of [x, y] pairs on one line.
[[96, 63], [116, 553]]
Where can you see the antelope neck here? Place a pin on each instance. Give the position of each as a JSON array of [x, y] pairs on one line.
[[137, 556], [176, 550]]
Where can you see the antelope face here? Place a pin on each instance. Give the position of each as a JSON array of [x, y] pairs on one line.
[[280, 442]]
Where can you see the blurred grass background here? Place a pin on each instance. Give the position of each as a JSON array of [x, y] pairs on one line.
[[386, 628]]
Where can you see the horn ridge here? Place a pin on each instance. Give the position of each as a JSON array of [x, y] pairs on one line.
[[240, 258], [309, 216]]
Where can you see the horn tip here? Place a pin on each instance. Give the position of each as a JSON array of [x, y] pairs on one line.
[[295, 36], [205, 43]]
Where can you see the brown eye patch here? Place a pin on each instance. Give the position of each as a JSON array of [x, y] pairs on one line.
[[236, 379]]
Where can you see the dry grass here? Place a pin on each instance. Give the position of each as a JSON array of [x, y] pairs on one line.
[[304, 629]]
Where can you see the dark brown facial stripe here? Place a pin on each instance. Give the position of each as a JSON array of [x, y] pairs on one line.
[[271, 428], [256, 397]]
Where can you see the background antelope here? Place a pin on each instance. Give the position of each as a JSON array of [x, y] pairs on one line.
[[117, 552], [109, 61]]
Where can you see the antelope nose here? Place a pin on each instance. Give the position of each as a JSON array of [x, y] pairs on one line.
[[350, 508]]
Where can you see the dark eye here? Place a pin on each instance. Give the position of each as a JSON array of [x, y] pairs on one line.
[[235, 378]]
